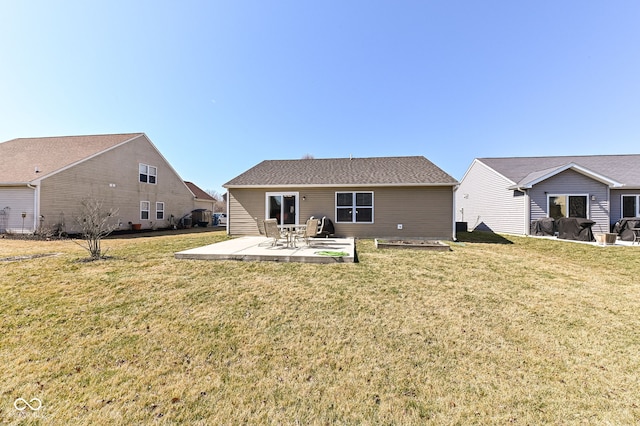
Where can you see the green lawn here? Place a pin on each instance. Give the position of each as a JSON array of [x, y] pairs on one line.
[[499, 330]]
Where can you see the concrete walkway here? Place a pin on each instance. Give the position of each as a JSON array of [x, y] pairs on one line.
[[320, 250], [618, 243]]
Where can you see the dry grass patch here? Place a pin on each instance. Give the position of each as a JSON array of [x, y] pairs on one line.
[[531, 332]]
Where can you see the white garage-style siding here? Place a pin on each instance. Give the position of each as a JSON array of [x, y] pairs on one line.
[[485, 202], [14, 201]]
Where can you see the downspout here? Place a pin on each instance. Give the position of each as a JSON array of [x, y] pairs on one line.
[[228, 215], [527, 211], [454, 233], [36, 206], [609, 209]]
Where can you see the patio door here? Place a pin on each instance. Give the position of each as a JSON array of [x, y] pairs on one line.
[[282, 206], [568, 206]]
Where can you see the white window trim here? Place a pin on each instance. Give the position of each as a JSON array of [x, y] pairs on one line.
[[637, 197], [148, 210], [570, 195], [148, 173], [355, 207], [160, 210], [283, 194]]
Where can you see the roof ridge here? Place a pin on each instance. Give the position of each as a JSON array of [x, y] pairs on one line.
[[408, 170], [558, 156], [350, 158], [78, 136]]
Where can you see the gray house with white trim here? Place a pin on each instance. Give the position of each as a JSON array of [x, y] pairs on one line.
[[507, 194], [363, 197]]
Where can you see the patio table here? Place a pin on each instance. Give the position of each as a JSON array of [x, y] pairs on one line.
[[291, 230]]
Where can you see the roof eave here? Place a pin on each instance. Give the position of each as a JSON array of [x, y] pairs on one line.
[[16, 183], [341, 185], [576, 167], [612, 186]]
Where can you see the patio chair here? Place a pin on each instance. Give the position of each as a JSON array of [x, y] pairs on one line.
[[310, 231], [260, 224], [272, 231]]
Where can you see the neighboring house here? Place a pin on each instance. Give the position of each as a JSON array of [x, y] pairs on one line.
[[44, 180], [364, 197], [202, 199], [508, 194]]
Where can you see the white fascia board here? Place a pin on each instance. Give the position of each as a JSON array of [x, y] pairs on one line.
[[355, 185], [582, 170], [117, 146], [14, 184], [67, 167], [166, 162], [477, 161]]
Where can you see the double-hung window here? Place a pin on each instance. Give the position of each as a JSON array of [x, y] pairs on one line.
[[354, 207], [568, 206], [159, 211], [630, 205], [148, 174], [145, 206]]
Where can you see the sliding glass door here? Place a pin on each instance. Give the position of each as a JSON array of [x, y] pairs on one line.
[[282, 206], [568, 206]]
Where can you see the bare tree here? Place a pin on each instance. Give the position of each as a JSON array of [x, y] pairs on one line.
[[308, 157], [219, 205], [95, 224], [214, 194]]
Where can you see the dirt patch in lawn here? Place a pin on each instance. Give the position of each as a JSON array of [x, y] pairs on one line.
[[26, 257]]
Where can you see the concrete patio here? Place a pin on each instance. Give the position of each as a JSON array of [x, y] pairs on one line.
[[320, 250]]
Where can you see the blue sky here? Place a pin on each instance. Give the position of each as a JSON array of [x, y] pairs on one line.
[[219, 86]]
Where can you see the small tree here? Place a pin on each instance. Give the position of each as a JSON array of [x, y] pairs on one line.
[[219, 204], [95, 224]]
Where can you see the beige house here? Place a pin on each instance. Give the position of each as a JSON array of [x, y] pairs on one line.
[[44, 180], [363, 197], [202, 199]]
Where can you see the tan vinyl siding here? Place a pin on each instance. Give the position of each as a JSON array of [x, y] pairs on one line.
[[484, 200], [423, 211], [244, 206], [113, 177], [571, 182]]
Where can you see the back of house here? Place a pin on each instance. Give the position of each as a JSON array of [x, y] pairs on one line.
[[362, 197], [509, 194]]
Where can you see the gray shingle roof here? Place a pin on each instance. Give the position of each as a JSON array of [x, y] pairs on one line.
[[395, 171], [19, 158], [621, 168]]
